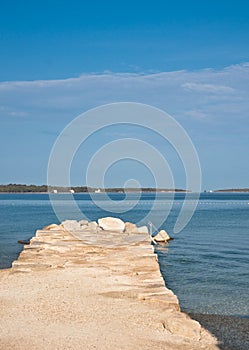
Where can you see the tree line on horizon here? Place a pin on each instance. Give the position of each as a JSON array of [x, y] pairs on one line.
[[23, 188]]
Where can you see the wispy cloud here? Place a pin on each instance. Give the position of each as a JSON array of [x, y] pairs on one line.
[[212, 105], [209, 88], [199, 94]]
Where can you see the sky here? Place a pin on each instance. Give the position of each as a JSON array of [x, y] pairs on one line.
[[188, 58]]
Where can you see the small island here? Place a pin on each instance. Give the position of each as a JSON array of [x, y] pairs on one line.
[[233, 190]]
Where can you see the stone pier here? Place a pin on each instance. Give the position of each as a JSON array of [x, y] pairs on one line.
[[92, 289]]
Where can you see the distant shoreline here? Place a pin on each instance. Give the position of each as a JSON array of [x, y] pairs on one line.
[[104, 191], [241, 190], [23, 188], [43, 189]]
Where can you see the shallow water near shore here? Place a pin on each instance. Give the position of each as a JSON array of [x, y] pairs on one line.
[[206, 265], [232, 332]]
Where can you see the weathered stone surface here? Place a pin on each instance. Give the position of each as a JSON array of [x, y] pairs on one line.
[[182, 325], [71, 225], [162, 236], [130, 228], [83, 273], [143, 229], [111, 224]]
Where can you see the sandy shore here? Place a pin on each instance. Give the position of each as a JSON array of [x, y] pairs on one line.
[[104, 291]]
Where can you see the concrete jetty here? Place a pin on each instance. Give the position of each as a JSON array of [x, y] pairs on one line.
[[92, 290]]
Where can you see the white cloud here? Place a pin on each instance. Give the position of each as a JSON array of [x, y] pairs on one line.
[[202, 94], [212, 105], [209, 88]]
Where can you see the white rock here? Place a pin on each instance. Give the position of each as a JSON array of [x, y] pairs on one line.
[[52, 227], [143, 229], [71, 225], [93, 226], [162, 236], [111, 224], [83, 222], [130, 228]]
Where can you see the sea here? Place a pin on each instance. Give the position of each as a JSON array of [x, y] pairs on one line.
[[206, 265]]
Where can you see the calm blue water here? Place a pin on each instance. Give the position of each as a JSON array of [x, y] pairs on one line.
[[206, 265]]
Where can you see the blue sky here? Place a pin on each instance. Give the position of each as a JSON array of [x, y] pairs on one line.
[[60, 39], [188, 58]]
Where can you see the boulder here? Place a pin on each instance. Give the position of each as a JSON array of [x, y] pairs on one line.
[[182, 325], [111, 224], [130, 228], [143, 229], [71, 225], [83, 222], [23, 242], [93, 226], [52, 227], [162, 236]]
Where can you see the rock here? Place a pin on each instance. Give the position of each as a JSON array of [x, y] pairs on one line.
[[162, 236], [52, 227], [182, 325], [111, 224], [23, 242], [130, 228], [143, 229], [71, 225], [93, 226], [83, 222]]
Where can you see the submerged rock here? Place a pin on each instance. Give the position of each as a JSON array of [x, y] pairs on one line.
[[111, 224], [20, 241]]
